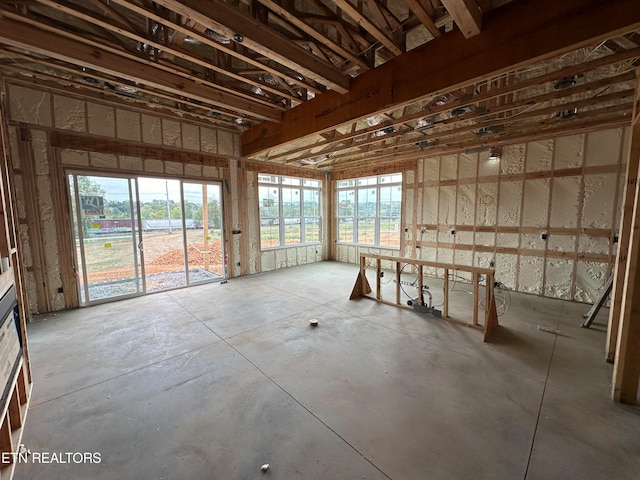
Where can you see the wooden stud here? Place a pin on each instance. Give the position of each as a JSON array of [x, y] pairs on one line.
[[27, 166], [378, 286], [626, 217], [14, 410], [361, 287], [476, 282], [65, 244], [626, 370], [445, 306], [398, 279], [6, 444]]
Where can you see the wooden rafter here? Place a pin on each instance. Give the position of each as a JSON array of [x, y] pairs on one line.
[[419, 10], [296, 19], [57, 46], [254, 35], [167, 49], [513, 35], [361, 19], [197, 32], [467, 16]]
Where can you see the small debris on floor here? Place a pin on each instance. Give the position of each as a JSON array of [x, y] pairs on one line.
[[313, 322], [264, 467], [549, 330]]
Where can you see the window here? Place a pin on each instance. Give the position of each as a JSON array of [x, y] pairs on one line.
[[289, 211], [369, 210]]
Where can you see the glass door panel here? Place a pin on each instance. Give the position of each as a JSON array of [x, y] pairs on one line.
[[105, 228], [160, 203], [203, 232]]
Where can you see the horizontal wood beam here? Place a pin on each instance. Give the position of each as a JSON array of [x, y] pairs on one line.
[[421, 13], [294, 19], [47, 43], [514, 35], [121, 147], [260, 39], [466, 14], [176, 51], [194, 33]]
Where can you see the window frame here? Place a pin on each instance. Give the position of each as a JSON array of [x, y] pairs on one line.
[[355, 187], [286, 182]]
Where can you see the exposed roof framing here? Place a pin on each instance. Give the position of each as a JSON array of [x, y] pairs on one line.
[[333, 84]]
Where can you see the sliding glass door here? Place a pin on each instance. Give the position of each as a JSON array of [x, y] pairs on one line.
[[137, 235]]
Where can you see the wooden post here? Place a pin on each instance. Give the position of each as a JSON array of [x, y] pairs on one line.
[[205, 226], [626, 370], [397, 282], [445, 306], [488, 297], [475, 297], [628, 198], [378, 292]]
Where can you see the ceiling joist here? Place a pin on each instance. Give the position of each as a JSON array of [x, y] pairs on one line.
[[516, 34]]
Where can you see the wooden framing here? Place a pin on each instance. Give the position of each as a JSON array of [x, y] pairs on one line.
[[52, 45], [90, 143], [13, 410], [626, 370], [515, 34], [260, 39], [362, 287], [467, 16], [33, 219]]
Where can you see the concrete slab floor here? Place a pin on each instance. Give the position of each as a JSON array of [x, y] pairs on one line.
[[213, 381]]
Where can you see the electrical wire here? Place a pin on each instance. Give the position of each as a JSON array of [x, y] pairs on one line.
[[502, 299]]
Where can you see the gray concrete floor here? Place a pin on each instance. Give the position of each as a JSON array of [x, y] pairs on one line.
[[213, 381]]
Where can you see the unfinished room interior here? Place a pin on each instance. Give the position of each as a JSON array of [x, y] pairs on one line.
[[322, 239]]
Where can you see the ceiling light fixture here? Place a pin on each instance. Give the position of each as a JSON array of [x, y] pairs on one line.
[[494, 154], [374, 120], [315, 160], [565, 82], [425, 122]]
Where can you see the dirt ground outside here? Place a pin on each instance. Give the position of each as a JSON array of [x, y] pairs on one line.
[[111, 258]]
